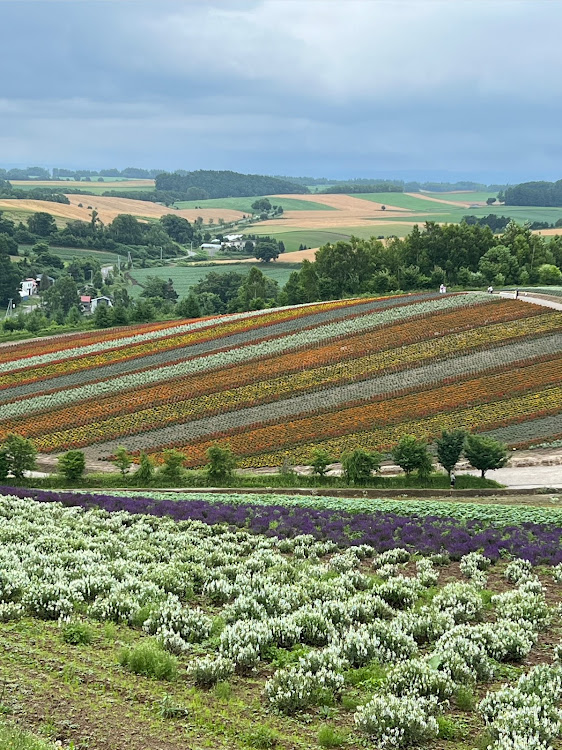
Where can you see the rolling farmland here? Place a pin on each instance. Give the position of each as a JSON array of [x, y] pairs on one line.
[[277, 384]]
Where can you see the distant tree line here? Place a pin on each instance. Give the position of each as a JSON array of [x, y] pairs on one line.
[[224, 184], [533, 194], [40, 173]]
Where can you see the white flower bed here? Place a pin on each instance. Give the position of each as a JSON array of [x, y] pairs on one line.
[[237, 600]]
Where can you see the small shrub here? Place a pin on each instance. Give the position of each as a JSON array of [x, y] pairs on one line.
[[262, 738], [150, 660], [464, 698], [328, 737], [210, 669], [77, 633]]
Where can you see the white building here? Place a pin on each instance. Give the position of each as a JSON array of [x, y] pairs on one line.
[[28, 287]]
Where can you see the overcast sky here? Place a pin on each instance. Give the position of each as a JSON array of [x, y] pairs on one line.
[[435, 89]]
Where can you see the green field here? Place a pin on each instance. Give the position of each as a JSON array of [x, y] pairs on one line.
[[316, 237], [184, 278], [396, 199], [92, 187], [468, 197], [68, 253], [245, 204]]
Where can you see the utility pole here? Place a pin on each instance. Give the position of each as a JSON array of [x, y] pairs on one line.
[[129, 259], [9, 308], [118, 264], [160, 254]]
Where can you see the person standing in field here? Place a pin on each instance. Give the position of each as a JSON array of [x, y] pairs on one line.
[[453, 480]]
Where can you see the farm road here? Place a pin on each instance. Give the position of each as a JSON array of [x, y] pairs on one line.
[[525, 477]]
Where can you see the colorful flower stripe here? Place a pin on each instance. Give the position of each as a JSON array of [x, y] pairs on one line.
[[55, 344], [215, 360], [364, 368], [534, 431], [285, 373], [398, 411], [211, 331], [392, 384], [525, 408]]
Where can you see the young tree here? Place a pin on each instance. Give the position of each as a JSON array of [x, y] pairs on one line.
[[320, 461], [122, 460], [20, 453], [173, 465], [359, 465], [222, 462], [485, 453], [145, 472], [71, 465], [449, 448], [411, 455]]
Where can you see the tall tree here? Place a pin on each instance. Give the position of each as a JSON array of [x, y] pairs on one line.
[[449, 448], [485, 453]]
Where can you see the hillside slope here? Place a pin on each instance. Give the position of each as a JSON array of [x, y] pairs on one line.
[[276, 384]]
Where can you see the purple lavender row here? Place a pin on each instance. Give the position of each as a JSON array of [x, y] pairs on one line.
[[425, 534]]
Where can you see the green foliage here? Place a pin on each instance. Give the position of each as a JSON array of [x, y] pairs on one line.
[[320, 461], [72, 464], [122, 460], [145, 472], [20, 454], [448, 728], [549, 274], [169, 709], [4, 465], [102, 316], [485, 453], [223, 184], [14, 738], [328, 737], [359, 466], [262, 737], [449, 448], [411, 454], [222, 462], [148, 659], [464, 698], [77, 633], [261, 204], [172, 470]]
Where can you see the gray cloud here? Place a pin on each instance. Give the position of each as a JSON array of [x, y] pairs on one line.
[[411, 87]]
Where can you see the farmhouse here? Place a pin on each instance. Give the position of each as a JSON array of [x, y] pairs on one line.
[[28, 287], [107, 301]]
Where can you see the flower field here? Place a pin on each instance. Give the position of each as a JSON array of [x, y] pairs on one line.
[[277, 384], [193, 622]]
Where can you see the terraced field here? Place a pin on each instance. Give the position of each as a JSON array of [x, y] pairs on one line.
[[276, 384]]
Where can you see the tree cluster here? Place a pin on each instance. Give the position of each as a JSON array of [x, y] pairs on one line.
[[464, 254], [533, 194], [224, 184]]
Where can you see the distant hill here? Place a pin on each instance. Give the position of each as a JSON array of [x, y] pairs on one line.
[[223, 184]]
